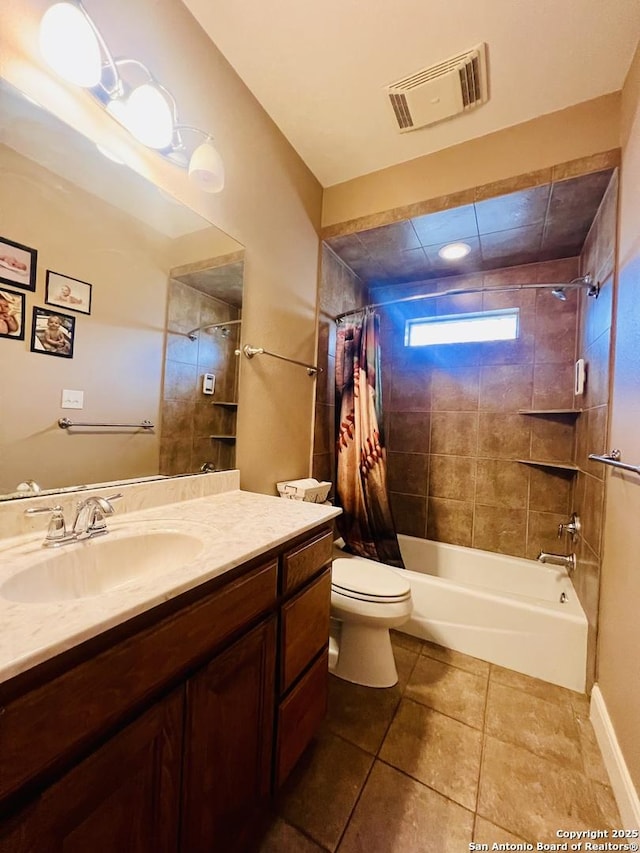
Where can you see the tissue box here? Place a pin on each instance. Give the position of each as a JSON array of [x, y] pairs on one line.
[[308, 489]]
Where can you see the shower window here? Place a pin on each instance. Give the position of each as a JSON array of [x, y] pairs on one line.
[[462, 328]]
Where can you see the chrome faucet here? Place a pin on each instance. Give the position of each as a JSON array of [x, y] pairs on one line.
[[571, 527], [89, 521], [567, 560], [90, 516]]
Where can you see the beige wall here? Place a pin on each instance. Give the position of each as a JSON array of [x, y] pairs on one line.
[[619, 640], [271, 204], [117, 358], [576, 132]]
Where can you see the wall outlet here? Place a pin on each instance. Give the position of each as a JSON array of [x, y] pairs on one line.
[[72, 399]]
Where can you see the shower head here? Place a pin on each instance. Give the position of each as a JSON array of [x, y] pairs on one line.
[[560, 290]]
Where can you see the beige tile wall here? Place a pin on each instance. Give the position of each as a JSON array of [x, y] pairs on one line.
[[189, 417], [594, 345], [453, 423]]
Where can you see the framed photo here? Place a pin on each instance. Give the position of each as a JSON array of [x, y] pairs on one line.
[[17, 264], [53, 333], [68, 292], [12, 306]]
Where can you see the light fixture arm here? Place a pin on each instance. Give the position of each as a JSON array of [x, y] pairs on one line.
[[110, 61]]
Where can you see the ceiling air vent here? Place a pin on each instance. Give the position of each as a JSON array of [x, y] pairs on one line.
[[442, 91]]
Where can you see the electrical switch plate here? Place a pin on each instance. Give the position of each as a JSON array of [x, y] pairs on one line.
[[208, 383], [72, 399]]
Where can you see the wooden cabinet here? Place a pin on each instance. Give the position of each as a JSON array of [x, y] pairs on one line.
[[124, 797], [228, 740], [159, 736]]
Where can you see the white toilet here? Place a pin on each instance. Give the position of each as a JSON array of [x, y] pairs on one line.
[[367, 599]]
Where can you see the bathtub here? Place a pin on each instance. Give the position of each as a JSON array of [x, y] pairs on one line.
[[505, 610]]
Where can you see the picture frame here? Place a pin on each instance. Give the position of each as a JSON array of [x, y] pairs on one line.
[[53, 333], [17, 264], [67, 292], [12, 314]]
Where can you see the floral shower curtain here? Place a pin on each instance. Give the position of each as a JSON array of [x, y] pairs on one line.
[[366, 523]]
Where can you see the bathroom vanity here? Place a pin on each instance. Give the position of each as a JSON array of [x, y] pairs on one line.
[[170, 728]]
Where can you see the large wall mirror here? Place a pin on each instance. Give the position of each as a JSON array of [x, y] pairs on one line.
[[118, 305]]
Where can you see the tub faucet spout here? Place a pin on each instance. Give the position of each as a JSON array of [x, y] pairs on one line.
[[566, 560]]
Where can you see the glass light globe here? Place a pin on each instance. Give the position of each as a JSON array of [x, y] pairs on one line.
[[206, 168], [69, 45], [148, 116]]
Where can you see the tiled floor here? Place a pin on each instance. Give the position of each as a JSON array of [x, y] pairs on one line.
[[459, 750]]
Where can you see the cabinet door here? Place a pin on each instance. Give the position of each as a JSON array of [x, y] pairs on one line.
[[228, 739], [124, 797]]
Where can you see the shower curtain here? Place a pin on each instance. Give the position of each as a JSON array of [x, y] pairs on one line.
[[366, 523]]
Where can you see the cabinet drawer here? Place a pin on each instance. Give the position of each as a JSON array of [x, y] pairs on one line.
[[305, 628], [49, 723], [300, 715], [305, 561]]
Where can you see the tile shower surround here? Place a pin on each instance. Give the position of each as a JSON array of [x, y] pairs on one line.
[[594, 345], [452, 422], [188, 416]]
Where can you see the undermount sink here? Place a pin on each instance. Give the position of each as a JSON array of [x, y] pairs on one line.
[[97, 566]]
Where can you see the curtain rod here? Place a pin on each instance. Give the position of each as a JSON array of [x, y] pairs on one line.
[[582, 281]]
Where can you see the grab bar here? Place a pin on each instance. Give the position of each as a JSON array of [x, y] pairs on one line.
[[613, 459], [250, 351], [65, 423]]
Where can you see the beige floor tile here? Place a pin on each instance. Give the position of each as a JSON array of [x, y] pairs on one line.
[[435, 749], [406, 641], [533, 796], [395, 814], [607, 805], [475, 665], [405, 662], [361, 715], [322, 791], [486, 832], [591, 755], [283, 838], [534, 686], [452, 691], [543, 727]]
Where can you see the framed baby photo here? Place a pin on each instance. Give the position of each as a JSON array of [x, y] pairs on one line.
[[67, 292], [12, 307], [17, 264], [53, 333]]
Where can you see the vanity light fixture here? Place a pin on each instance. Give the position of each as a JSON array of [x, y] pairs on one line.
[[74, 48], [454, 251]]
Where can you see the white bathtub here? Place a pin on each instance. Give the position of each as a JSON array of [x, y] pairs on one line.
[[503, 609]]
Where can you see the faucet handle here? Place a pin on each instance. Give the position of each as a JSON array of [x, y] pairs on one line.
[[57, 530], [571, 527]]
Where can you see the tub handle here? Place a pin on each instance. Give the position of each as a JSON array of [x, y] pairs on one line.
[[571, 527]]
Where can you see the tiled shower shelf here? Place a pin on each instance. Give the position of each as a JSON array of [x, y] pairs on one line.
[[549, 411], [541, 463]]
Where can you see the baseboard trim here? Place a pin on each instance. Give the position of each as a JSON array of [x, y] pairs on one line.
[[621, 783]]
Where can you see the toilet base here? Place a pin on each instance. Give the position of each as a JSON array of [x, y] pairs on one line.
[[365, 656]]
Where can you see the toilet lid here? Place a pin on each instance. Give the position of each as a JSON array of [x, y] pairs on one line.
[[368, 580]]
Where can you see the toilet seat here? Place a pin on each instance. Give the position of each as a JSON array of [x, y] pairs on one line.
[[366, 580]]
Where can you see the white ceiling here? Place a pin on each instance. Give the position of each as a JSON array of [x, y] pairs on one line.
[[319, 68]]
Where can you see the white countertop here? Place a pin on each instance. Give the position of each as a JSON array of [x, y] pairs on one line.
[[234, 527]]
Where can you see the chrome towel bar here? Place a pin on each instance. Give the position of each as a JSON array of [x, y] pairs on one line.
[[250, 351], [614, 459], [65, 423]]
